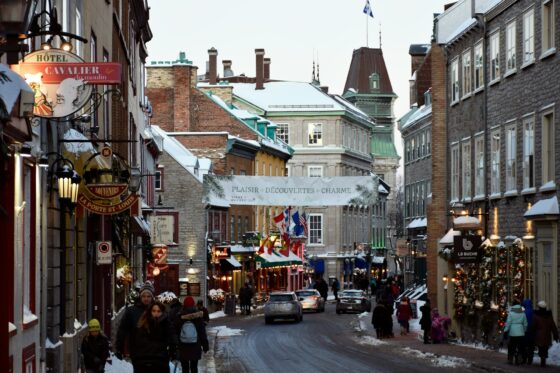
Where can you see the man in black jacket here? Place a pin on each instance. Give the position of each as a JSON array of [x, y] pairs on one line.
[[127, 328]]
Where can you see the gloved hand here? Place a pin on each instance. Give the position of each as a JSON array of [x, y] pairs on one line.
[[118, 355]]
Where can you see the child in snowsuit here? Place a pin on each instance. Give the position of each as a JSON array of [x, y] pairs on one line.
[[95, 348]]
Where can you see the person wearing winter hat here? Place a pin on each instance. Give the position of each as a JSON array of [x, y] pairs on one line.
[[191, 330], [95, 348], [516, 326], [542, 329], [127, 328]]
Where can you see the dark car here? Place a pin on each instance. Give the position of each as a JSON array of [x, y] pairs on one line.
[[352, 301], [282, 305], [311, 300]]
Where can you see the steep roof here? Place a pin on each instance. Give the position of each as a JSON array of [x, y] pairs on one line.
[[366, 61], [382, 144]]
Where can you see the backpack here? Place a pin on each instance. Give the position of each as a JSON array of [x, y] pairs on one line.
[[188, 333]]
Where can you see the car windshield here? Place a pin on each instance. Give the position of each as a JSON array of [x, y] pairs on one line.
[[306, 293], [281, 298], [351, 294]]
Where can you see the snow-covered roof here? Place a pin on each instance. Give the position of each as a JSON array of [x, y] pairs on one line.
[[423, 112], [418, 223], [287, 96], [352, 109], [12, 87], [448, 238], [182, 155], [250, 142], [466, 222], [459, 18], [238, 249], [544, 207]]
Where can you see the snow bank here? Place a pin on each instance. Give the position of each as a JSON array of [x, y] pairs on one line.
[[369, 340], [217, 314], [438, 361], [224, 331]]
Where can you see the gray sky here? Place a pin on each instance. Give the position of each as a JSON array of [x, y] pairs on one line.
[[293, 33]]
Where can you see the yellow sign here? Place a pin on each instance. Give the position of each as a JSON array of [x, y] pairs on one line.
[[110, 209]]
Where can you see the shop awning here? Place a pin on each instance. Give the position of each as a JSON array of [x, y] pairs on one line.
[[276, 260], [230, 264], [378, 260], [418, 223], [238, 249], [447, 240], [543, 209], [466, 222], [140, 226], [317, 265], [293, 258]]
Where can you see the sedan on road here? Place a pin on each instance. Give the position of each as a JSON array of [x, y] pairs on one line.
[[311, 300], [283, 305], [352, 301]]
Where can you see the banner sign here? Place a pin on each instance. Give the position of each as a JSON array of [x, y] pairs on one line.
[[107, 191], [291, 191], [466, 249]]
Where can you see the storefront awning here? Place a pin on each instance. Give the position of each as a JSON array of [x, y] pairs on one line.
[[140, 226], [276, 260], [378, 260], [317, 265], [447, 240], [543, 209], [230, 264], [466, 222], [239, 249], [418, 223]]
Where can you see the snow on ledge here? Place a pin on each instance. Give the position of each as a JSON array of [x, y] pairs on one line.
[[28, 316], [544, 207], [11, 327], [50, 345]]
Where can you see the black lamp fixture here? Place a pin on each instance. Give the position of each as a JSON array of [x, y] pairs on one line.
[[25, 150], [68, 179]]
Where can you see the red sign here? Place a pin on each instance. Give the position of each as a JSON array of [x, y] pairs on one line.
[[90, 72], [159, 254], [98, 208], [107, 191]]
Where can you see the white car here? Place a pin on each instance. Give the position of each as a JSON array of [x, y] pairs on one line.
[[283, 305]]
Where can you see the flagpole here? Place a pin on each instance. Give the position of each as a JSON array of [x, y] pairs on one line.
[[367, 31]]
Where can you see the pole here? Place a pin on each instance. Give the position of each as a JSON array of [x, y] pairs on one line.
[[62, 259], [367, 32]]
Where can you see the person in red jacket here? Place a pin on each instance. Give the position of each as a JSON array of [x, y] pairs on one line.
[[404, 314]]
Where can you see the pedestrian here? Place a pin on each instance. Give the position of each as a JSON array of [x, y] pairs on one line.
[[379, 318], [516, 326], [529, 339], [404, 314], [322, 288], [335, 287], [388, 321], [426, 321], [438, 330], [543, 329], [126, 333], [192, 336], [373, 286], [95, 348], [205, 314], [173, 308], [156, 342]]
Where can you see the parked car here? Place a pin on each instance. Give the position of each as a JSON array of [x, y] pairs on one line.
[[311, 300], [283, 305], [352, 301]]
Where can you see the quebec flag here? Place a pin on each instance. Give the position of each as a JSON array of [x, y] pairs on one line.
[[368, 10]]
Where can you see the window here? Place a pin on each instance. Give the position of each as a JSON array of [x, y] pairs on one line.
[[466, 170], [495, 56], [315, 229], [511, 158], [528, 153], [467, 73], [412, 149], [454, 81], [529, 36], [407, 201], [510, 46], [548, 148], [407, 153], [548, 25], [239, 228], [232, 228], [478, 70], [423, 147], [374, 82], [428, 142], [283, 132], [495, 160], [315, 132], [455, 172], [256, 167], [158, 180], [479, 164], [315, 171], [65, 16]]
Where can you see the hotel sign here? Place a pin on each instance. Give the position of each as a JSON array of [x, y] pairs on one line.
[[62, 81]]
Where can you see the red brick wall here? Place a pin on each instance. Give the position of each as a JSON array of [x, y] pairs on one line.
[[437, 210], [423, 79]]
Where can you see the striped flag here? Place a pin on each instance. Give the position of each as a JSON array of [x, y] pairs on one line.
[[280, 222], [368, 10], [303, 223]]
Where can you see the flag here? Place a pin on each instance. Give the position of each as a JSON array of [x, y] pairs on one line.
[[289, 223], [368, 10], [271, 245], [303, 222], [298, 228], [263, 244], [280, 222], [295, 247]]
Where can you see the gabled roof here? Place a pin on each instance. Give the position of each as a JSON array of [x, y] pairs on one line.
[[366, 61]]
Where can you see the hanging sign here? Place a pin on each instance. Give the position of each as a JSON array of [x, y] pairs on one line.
[[159, 254], [109, 209], [62, 81], [466, 249], [104, 252]]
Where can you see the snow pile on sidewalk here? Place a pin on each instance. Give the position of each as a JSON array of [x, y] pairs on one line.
[[372, 341], [224, 331], [118, 366], [438, 361], [554, 354], [217, 314], [364, 319]]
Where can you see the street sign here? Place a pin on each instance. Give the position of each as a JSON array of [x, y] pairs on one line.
[[104, 252]]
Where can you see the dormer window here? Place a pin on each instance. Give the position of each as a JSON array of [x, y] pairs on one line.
[[374, 82]]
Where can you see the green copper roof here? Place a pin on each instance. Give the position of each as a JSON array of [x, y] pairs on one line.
[[405, 117], [382, 143]]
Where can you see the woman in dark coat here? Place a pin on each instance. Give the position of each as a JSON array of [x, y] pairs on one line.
[[155, 341], [379, 319], [543, 329], [426, 320], [191, 353]]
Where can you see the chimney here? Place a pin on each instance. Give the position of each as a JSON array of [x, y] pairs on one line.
[[259, 68], [266, 69], [227, 68], [213, 54]]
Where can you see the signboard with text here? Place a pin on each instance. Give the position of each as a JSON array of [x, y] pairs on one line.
[[466, 249], [104, 252], [163, 229]]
